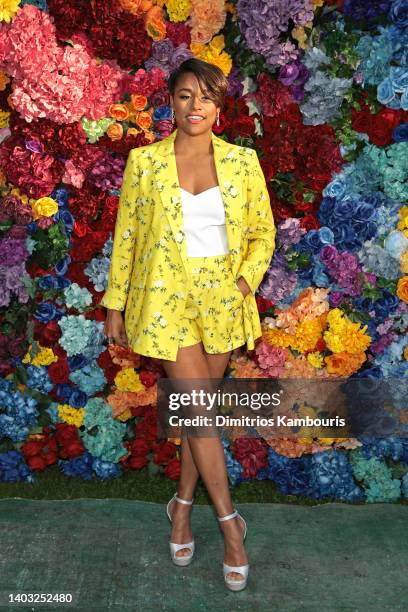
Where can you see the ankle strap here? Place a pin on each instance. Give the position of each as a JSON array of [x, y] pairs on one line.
[[183, 501], [228, 516]]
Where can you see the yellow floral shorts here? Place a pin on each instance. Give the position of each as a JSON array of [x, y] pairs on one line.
[[213, 312]]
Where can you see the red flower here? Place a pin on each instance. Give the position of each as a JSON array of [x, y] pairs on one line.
[[148, 378], [263, 304], [47, 335], [173, 469], [378, 126], [165, 452], [137, 463], [59, 371], [252, 453]]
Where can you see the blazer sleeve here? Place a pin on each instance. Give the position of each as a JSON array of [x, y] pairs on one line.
[[124, 239], [261, 230]]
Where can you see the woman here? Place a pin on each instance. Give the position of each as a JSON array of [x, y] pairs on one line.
[[194, 236]]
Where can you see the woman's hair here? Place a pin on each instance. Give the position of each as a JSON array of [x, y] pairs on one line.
[[209, 76]]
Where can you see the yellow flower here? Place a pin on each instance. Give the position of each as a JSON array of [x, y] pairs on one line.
[[70, 415], [19, 194], [178, 10], [44, 207], [8, 8], [44, 358], [128, 380], [276, 337], [406, 353], [4, 118], [125, 415], [299, 34], [403, 223], [317, 3], [213, 53], [315, 359], [306, 336], [404, 262], [344, 335]]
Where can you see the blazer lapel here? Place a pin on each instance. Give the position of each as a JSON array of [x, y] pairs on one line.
[[229, 180]]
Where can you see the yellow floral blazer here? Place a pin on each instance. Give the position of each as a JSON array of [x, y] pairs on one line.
[[149, 248]]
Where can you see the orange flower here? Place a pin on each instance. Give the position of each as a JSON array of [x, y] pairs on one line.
[[133, 6], [115, 131], [138, 102], [150, 136], [119, 112], [155, 23], [144, 119], [402, 289], [344, 364], [4, 80]]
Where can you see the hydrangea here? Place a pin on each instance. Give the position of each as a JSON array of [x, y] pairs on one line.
[[13, 468], [376, 54], [95, 129], [37, 378], [19, 413], [376, 478], [77, 297], [81, 335], [90, 378], [107, 442], [324, 93], [97, 271], [264, 21], [375, 258]]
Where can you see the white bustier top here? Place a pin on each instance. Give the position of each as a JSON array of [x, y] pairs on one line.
[[204, 222]]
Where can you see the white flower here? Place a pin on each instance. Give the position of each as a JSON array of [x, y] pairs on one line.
[[157, 315], [179, 237], [162, 322], [159, 283]]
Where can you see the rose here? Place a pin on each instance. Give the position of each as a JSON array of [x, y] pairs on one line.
[[402, 289], [115, 131], [138, 101], [144, 119], [38, 463], [59, 371], [140, 447], [137, 463], [173, 469], [120, 112], [399, 13], [164, 453], [74, 448]]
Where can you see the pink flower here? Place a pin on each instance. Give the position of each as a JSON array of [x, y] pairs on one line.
[[271, 359], [73, 175]]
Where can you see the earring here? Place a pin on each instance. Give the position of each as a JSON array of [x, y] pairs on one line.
[[172, 116], [218, 118]]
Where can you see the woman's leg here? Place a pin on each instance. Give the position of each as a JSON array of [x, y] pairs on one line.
[[208, 455]]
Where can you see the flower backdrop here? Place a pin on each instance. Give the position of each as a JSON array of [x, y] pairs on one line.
[[320, 90]]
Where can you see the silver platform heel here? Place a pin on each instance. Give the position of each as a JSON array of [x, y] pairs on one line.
[[185, 559], [235, 585]]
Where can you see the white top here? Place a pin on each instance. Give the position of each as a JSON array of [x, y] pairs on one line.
[[204, 222]]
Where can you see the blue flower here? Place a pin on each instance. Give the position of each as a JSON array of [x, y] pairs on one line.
[[399, 13], [385, 92]]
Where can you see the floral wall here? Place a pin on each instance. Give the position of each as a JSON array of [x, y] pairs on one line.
[[320, 91]]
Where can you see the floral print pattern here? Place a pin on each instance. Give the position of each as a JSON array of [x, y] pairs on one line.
[[149, 271]]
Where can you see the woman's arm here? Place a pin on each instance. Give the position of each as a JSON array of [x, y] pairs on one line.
[[261, 229], [121, 264]]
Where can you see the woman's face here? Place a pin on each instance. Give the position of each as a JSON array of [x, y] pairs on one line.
[[190, 100]]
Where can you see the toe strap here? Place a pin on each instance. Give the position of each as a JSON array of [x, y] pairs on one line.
[[175, 547], [239, 569]]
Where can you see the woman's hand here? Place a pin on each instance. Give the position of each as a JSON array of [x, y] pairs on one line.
[[115, 328], [243, 286]]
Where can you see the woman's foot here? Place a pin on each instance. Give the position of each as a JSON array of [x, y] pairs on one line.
[[181, 530], [234, 550]]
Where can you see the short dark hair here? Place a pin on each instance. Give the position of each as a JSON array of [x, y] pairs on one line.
[[209, 75]]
